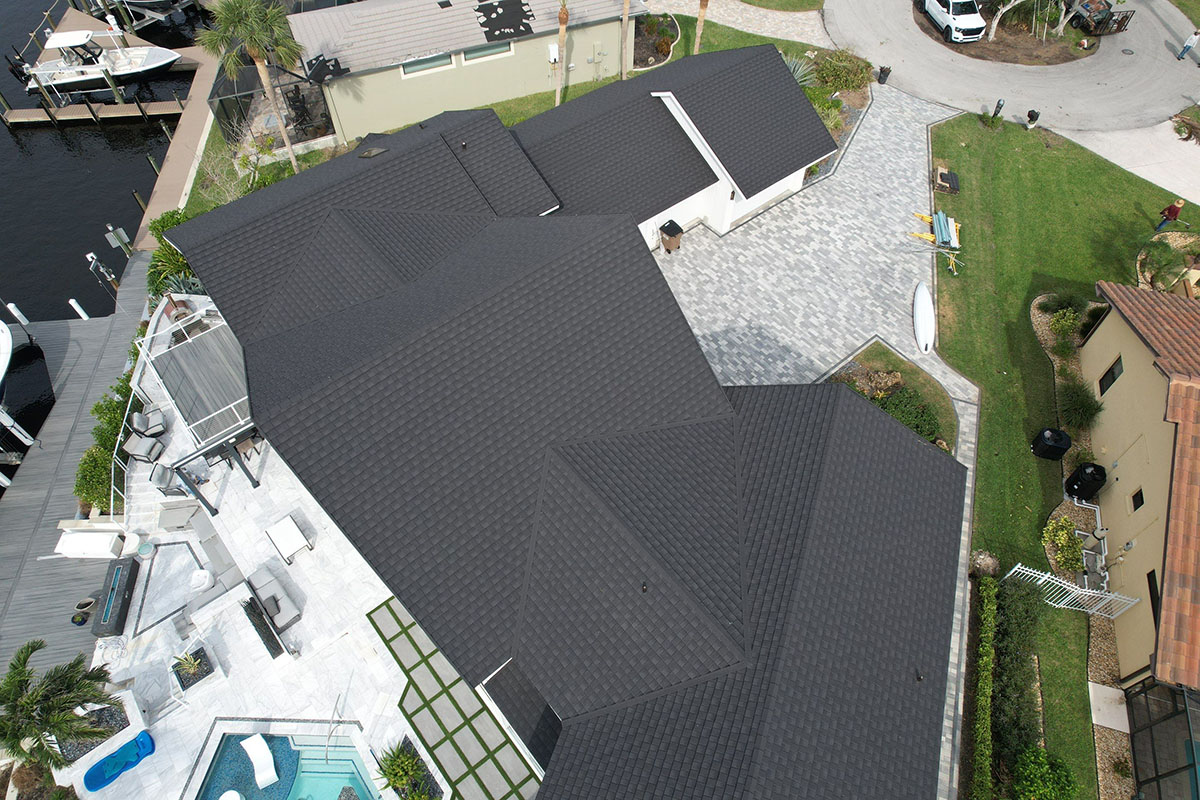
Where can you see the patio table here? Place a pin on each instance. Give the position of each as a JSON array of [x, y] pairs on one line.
[[287, 538]]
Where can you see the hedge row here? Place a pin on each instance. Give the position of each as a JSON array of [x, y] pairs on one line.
[[981, 784]]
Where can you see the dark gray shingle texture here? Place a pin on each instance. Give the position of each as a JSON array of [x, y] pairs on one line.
[[721, 593]]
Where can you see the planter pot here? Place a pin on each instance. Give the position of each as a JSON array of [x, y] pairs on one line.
[[884, 74], [188, 680]]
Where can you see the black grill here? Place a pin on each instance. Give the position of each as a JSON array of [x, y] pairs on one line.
[[972, 31]]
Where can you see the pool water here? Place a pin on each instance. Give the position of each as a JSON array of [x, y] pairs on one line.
[[307, 770]]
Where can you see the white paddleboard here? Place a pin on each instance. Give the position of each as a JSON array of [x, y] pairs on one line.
[[924, 322]]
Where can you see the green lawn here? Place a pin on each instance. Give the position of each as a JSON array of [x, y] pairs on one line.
[[518, 109], [1191, 8], [786, 5], [199, 201], [1038, 213], [721, 37], [881, 358]]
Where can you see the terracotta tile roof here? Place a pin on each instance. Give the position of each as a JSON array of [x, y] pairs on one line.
[[1170, 327]]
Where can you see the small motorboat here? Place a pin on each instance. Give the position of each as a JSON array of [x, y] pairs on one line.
[[82, 62]]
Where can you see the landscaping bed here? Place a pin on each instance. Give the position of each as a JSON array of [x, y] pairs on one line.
[[1014, 44], [190, 677], [110, 718], [788, 5], [653, 37]]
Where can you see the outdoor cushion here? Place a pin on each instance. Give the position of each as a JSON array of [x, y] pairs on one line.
[[142, 448], [270, 605], [151, 422]]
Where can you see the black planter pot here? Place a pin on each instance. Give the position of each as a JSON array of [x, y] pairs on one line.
[[188, 680], [884, 74]]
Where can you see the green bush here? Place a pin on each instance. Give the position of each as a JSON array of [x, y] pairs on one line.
[[93, 477], [1077, 406], [981, 778], [802, 69], [908, 407], [165, 221], [988, 121], [1090, 319], [165, 262], [1057, 302], [832, 118], [403, 770], [842, 71], [109, 411], [1162, 265], [1015, 724], [819, 97], [1063, 348], [1041, 776], [1064, 323], [1061, 533]]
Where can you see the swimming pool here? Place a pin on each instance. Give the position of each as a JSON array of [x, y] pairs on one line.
[[307, 770]]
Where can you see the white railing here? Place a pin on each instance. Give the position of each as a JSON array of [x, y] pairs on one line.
[[1062, 593]]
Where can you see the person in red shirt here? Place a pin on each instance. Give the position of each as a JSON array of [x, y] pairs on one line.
[[1169, 214]]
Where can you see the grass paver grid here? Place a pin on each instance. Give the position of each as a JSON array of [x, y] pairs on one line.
[[468, 751]]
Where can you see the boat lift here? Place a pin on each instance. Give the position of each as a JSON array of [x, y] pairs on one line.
[[943, 238]]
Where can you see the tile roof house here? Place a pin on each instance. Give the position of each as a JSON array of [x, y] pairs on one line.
[[1144, 358], [669, 588], [409, 59]]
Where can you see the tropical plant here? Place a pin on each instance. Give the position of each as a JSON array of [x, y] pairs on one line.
[[1077, 406], [402, 769], [182, 284], [1161, 265], [802, 69], [165, 221], [981, 777], [1015, 725], [1064, 324], [1082, 455], [188, 664], [564, 16], [1041, 776], [255, 28], [1060, 532], [37, 711], [165, 262], [831, 117], [842, 71], [663, 46], [1001, 10]]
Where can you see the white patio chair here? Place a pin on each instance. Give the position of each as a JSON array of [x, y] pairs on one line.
[[260, 756]]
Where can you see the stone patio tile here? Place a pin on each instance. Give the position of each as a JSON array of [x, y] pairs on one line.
[[489, 731], [405, 652], [493, 779], [423, 677], [424, 643], [412, 701], [427, 725], [470, 745], [451, 761], [446, 712], [387, 624], [511, 762], [468, 701], [528, 789]]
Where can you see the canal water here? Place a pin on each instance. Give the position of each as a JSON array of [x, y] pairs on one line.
[[58, 188]]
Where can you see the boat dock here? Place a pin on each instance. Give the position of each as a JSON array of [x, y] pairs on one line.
[[37, 597]]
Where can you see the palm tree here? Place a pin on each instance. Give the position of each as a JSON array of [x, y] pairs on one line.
[[700, 25], [32, 709], [624, 39], [255, 28], [563, 16]]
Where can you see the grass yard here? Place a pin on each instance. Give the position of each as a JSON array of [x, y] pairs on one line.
[[518, 109], [1191, 8], [199, 200], [721, 37], [1038, 213], [787, 5], [881, 358]]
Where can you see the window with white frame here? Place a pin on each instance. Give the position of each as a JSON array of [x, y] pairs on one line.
[[487, 51], [424, 64]]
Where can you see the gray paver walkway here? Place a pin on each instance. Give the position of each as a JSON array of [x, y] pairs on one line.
[[799, 26], [790, 295]]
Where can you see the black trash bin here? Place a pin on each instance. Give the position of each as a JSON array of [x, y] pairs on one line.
[[672, 235], [1086, 481], [1051, 444], [884, 74]]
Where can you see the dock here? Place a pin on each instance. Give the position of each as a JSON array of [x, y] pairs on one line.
[[37, 596]]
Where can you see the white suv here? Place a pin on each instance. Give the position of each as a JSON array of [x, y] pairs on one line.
[[958, 20]]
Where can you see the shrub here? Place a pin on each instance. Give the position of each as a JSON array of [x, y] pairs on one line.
[[831, 117], [663, 46], [802, 69], [1041, 776], [165, 262], [1015, 725], [1057, 302], [842, 71], [165, 221], [93, 477], [1064, 323], [1060, 532], [820, 97], [1077, 406], [989, 121], [1063, 348], [1121, 767], [981, 778], [1090, 319], [1162, 265], [650, 26], [909, 408], [403, 770]]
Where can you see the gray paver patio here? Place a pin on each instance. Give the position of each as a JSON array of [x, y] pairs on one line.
[[792, 294]]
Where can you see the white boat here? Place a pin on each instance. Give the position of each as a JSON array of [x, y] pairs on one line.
[[81, 62], [924, 321]]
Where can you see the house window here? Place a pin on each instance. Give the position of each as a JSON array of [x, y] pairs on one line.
[[1138, 500], [1110, 375], [483, 51], [423, 64], [1152, 582]]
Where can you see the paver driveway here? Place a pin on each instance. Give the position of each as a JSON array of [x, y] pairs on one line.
[[791, 294]]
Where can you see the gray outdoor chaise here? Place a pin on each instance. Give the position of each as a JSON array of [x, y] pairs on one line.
[[142, 448], [151, 422], [274, 599]]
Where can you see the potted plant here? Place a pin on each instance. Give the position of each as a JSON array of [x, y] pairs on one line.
[[402, 769], [191, 668]]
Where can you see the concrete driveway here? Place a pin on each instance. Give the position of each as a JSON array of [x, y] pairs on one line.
[[1110, 90]]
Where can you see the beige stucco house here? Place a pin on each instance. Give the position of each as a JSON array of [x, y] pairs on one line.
[[412, 59], [1143, 362]]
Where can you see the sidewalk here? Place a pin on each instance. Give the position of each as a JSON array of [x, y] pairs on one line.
[[798, 26], [1153, 153]]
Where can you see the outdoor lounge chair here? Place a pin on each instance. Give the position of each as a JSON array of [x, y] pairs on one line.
[[163, 478], [142, 448], [260, 756], [151, 422]]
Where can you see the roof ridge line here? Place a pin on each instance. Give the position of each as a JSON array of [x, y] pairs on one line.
[[598, 437], [530, 549], [652, 695], [708, 619], [274, 297]]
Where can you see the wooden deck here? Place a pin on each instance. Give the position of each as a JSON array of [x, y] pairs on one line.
[[81, 112], [36, 597]]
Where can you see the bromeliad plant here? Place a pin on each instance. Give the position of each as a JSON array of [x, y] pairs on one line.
[[1068, 547], [401, 767], [36, 711]]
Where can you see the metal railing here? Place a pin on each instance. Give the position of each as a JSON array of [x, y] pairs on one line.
[[1062, 593]]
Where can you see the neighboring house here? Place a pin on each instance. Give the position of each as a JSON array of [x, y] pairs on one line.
[[669, 588], [411, 59], [1143, 361]]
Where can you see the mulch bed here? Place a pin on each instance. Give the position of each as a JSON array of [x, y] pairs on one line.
[[1013, 45], [645, 43], [110, 718]]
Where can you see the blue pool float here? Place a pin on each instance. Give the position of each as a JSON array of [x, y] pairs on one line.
[[109, 768]]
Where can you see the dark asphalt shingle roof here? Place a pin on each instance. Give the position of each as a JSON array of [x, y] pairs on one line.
[[511, 420], [745, 103], [526, 711]]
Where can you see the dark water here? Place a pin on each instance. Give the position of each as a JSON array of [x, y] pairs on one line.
[[58, 188], [28, 395]]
